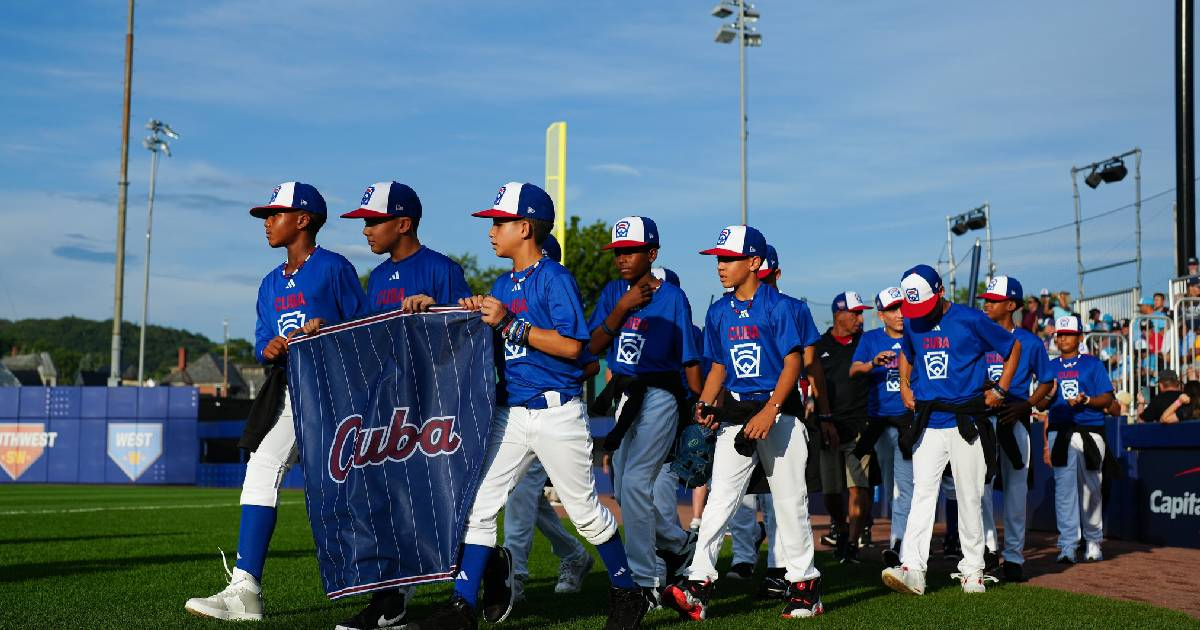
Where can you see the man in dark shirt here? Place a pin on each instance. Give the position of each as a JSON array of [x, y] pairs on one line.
[[1169, 389], [847, 397]]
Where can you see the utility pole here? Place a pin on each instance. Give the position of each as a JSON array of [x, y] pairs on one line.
[[114, 370], [1185, 139], [225, 374]]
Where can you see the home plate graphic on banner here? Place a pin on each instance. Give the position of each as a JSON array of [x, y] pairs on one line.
[[135, 446], [21, 445]]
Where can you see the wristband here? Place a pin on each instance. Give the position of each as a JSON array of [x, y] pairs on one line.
[[504, 322], [824, 417], [608, 331]]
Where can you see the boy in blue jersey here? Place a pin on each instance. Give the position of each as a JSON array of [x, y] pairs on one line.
[[413, 277], [757, 355], [878, 356], [645, 324], [942, 377], [1002, 297], [1075, 440], [538, 316], [312, 286]]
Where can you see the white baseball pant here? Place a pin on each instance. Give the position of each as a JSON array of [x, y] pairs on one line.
[[897, 474], [560, 439], [784, 453], [1016, 489], [743, 531], [1077, 498], [933, 449], [527, 506], [271, 460], [636, 465]]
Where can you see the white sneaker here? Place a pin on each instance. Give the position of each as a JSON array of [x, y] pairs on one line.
[[1093, 552], [973, 582], [571, 573], [240, 601], [904, 580]]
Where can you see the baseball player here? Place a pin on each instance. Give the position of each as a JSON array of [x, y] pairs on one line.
[[1002, 298], [1075, 442], [942, 374], [645, 324], [538, 317], [757, 355], [311, 286], [842, 468], [878, 355]]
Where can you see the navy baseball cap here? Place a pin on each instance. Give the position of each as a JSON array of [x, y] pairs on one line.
[[387, 199], [1003, 288], [921, 286], [520, 201], [666, 275], [770, 262], [849, 301], [551, 249], [739, 240], [633, 232], [291, 196]]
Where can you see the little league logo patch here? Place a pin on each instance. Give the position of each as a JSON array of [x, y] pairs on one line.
[[274, 194], [1070, 388], [936, 364], [912, 295], [135, 446], [746, 359], [290, 321], [366, 198], [21, 445], [893, 381], [991, 285], [894, 293], [629, 348], [499, 196], [994, 372], [723, 237], [513, 351], [621, 229]]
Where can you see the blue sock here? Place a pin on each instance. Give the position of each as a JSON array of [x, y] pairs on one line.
[[951, 517], [612, 552], [258, 523], [470, 572]]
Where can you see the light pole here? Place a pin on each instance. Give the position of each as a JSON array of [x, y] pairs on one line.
[[155, 144], [745, 36], [1107, 172], [957, 225], [114, 362]]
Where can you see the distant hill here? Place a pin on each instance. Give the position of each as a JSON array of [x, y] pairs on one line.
[[74, 343]]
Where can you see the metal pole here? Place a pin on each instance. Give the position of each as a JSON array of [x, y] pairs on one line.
[[1078, 245], [114, 368], [974, 274], [1185, 138], [987, 216], [741, 5], [146, 268], [1137, 182], [225, 371], [953, 267]]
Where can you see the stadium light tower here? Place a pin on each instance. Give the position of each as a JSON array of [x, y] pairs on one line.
[[957, 225], [1110, 171], [154, 143], [745, 36]]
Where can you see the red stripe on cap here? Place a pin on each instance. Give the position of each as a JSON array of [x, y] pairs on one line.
[[495, 213], [367, 213], [721, 251], [626, 243], [919, 309], [993, 296]]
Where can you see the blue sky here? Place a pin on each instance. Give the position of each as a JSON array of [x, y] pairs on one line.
[[869, 122]]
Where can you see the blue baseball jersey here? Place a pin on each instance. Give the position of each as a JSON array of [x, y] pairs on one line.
[[1034, 363], [751, 338], [326, 286], [425, 272], [884, 396], [948, 357], [545, 295], [655, 338], [1081, 374], [805, 326]]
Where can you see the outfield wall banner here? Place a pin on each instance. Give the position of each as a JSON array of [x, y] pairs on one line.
[[392, 421]]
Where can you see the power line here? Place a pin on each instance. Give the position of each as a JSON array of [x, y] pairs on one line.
[[1084, 220]]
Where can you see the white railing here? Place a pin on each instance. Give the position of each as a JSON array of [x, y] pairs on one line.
[[1113, 350], [1120, 304], [1152, 350]]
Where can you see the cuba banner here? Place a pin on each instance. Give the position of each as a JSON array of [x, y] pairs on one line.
[[392, 417]]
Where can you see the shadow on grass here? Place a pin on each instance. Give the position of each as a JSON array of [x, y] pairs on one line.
[[39, 570], [62, 539]]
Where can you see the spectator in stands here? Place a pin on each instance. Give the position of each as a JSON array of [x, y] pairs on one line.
[[1167, 398], [1191, 309], [1033, 314], [1094, 322], [1047, 309], [1160, 304], [1186, 407], [1109, 326], [1063, 308], [1193, 266]]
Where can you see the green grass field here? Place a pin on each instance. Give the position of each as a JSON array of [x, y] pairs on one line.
[[128, 557]]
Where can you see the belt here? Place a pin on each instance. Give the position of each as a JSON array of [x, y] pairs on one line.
[[546, 400]]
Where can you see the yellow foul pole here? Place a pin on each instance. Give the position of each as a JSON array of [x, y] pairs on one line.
[[556, 179]]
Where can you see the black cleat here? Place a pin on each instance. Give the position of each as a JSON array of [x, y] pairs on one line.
[[677, 561], [740, 571], [951, 550], [626, 607], [891, 557], [864, 540], [774, 585], [455, 614], [804, 600], [991, 561], [689, 599], [831, 538], [498, 592], [848, 554], [1013, 572], [385, 610]]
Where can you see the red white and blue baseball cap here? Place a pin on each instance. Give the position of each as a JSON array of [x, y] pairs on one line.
[[384, 200], [770, 262], [551, 249], [849, 301], [633, 232], [520, 201], [291, 196], [666, 275], [889, 298], [1067, 325], [739, 240], [1003, 288], [922, 288]]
